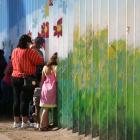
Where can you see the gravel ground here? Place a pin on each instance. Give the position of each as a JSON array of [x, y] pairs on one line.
[[8, 133]]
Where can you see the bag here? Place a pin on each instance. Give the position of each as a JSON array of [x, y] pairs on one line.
[[30, 81]]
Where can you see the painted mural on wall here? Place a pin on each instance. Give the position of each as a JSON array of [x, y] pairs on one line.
[[98, 45], [4, 39], [99, 80], [41, 18]]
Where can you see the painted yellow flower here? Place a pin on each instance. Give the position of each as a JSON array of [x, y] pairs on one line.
[[46, 10], [59, 28]]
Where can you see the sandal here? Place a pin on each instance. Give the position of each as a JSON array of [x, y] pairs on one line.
[[43, 129], [51, 126]]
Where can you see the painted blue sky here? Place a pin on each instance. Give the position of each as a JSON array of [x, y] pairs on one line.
[[3, 15]]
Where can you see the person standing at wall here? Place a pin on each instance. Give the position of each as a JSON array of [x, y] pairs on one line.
[[7, 93], [24, 61], [3, 64], [48, 91], [34, 107], [39, 41]]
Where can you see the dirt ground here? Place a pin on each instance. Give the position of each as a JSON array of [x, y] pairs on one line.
[[31, 134]]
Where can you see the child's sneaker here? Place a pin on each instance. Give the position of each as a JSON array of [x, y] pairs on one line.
[[32, 125], [37, 125], [25, 125], [16, 125]]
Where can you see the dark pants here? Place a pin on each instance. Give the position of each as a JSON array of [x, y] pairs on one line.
[[31, 111], [7, 99], [0, 90], [22, 97]]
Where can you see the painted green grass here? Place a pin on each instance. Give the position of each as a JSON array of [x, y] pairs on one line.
[[99, 88]]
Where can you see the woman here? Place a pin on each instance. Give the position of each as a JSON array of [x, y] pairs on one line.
[[24, 61]]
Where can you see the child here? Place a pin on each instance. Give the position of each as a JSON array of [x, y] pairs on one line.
[[48, 91], [36, 100]]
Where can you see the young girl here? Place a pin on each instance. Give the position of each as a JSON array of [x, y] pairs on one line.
[[48, 91]]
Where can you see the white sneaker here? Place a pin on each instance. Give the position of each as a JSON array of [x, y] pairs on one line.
[[16, 125], [37, 125], [32, 125], [25, 125]]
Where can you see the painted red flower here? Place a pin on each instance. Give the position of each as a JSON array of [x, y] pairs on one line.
[[50, 2], [44, 30], [58, 28]]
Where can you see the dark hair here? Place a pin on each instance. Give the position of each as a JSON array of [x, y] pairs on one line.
[[39, 41], [50, 63], [53, 60], [54, 56], [1, 52], [23, 41]]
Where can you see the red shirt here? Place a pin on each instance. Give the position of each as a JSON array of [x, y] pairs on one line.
[[24, 61]]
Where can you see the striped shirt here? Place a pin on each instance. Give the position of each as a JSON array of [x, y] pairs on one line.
[[24, 61]]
